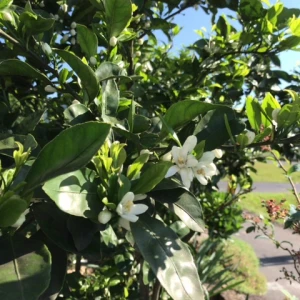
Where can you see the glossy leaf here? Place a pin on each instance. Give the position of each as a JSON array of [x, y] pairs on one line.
[[34, 23], [108, 70], [110, 97], [25, 267], [168, 257], [15, 67], [118, 14], [87, 40], [77, 114], [254, 113], [183, 204], [134, 169], [85, 73], [268, 105], [75, 193], [152, 176], [5, 4], [71, 150]]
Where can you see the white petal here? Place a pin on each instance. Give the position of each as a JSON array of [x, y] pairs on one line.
[[127, 198], [131, 218], [218, 153], [119, 209], [207, 157], [124, 223], [191, 161], [140, 197], [138, 209], [189, 144], [175, 152], [173, 170], [201, 179], [185, 177]]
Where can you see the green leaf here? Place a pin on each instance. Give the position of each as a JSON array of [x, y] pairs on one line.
[[108, 70], [85, 73], [71, 150], [110, 97], [25, 267], [152, 176], [15, 67], [184, 205], [87, 40], [293, 169], [118, 14], [251, 10], [168, 257], [5, 4], [268, 105], [253, 113], [77, 114], [11, 209], [183, 112], [140, 123], [134, 169], [75, 193], [58, 267]]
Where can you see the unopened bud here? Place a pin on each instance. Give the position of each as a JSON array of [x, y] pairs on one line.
[[93, 61], [46, 48], [73, 32], [113, 41], [218, 153], [138, 53], [73, 41], [73, 25], [140, 41], [56, 17], [147, 24], [65, 38], [104, 216], [64, 8], [50, 89]]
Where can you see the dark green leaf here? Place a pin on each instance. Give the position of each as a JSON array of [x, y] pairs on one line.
[[251, 10], [169, 258], [77, 114], [15, 67], [107, 70], [34, 23], [87, 40], [71, 150], [25, 267], [110, 97], [152, 176], [75, 193], [118, 14], [84, 72], [140, 123]]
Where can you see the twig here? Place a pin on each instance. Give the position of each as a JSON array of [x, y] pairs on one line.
[[295, 192], [156, 290]]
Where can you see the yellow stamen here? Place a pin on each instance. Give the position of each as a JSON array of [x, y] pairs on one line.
[[128, 206], [200, 172]]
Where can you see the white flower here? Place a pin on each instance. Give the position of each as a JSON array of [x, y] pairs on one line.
[[113, 41], [73, 25], [50, 89], [128, 210], [184, 161], [218, 153], [205, 168], [121, 64], [104, 216], [93, 60], [250, 136]]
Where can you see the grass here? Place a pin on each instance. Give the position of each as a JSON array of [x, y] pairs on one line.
[[252, 201], [270, 172]]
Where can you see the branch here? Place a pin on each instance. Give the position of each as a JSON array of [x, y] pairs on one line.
[[295, 192], [40, 61]]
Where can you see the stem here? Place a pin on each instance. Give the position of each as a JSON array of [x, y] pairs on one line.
[[156, 290], [40, 61], [78, 263], [295, 192]]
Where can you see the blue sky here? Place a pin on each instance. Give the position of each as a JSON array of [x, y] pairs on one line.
[[191, 20]]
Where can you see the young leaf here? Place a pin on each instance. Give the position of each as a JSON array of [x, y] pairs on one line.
[[118, 14], [254, 113], [168, 257], [84, 72], [71, 150], [5, 4], [25, 267], [110, 97], [268, 105]]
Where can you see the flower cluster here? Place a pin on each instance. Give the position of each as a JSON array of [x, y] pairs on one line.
[[189, 167]]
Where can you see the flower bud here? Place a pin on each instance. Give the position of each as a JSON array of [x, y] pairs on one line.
[[113, 41], [104, 216], [73, 25], [73, 41], [140, 41], [47, 49], [250, 135], [93, 61], [147, 24], [56, 17], [64, 8], [50, 89], [73, 32], [138, 53], [65, 38], [218, 153], [121, 64]]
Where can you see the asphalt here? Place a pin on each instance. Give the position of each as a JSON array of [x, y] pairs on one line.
[[273, 259]]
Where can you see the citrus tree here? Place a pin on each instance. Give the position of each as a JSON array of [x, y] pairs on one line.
[[112, 145]]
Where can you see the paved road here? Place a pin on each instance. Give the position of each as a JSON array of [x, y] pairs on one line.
[[265, 187]]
